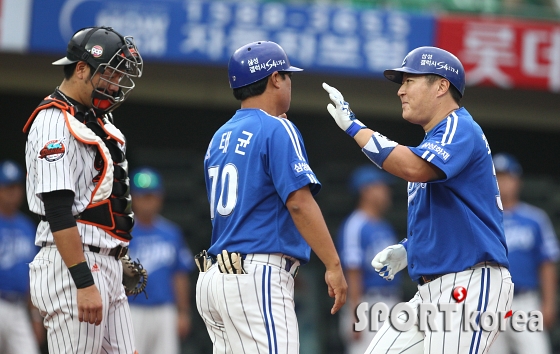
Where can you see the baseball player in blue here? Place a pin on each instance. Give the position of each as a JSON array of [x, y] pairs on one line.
[[533, 253], [455, 234], [265, 220], [17, 249], [163, 318], [362, 235]]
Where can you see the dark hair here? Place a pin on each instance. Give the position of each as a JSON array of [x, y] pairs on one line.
[[256, 88], [70, 68], [431, 78]]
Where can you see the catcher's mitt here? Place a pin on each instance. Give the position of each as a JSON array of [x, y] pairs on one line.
[[135, 277]]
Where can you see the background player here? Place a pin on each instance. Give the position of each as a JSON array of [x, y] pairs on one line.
[[455, 230], [162, 319], [17, 235], [260, 188], [75, 160], [532, 253], [363, 234]]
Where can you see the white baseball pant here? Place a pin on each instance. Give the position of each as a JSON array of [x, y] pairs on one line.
[[489, 288], [53, 292], [523, 342], [253, 312]]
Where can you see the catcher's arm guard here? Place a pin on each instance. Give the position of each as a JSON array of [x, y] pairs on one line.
[[135, 277]]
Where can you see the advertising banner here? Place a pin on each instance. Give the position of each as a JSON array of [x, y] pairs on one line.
[[316, 37], [504, 52]]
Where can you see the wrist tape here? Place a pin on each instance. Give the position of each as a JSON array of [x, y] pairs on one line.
[[81, 275], [378, 148], [354, 128]]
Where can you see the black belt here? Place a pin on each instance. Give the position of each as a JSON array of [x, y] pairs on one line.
[[425, 279], [117, 252]]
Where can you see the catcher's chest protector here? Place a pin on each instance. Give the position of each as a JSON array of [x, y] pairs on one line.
[[110, 207]]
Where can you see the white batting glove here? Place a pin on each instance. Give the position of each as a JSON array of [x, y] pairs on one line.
[[390, 261], [341, 112]]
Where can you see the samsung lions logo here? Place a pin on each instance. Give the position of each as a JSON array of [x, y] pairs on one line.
[[53, 150]]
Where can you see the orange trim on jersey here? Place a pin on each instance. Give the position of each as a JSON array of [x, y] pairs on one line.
[[63, 106], [105, 165], [107, 132]]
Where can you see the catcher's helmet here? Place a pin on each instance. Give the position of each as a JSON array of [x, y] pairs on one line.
[[103, 48], [431, 60], [255, 61]]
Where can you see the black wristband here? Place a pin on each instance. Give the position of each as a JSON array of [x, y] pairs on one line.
[[81, 275]]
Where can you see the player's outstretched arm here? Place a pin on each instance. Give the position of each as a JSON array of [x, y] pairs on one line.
[[310, 223], [385, 153], [69, 244]]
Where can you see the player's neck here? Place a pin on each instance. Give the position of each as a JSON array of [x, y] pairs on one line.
[[69, 89], [440, 114], [263, 102], [146, 220], [7, 211]]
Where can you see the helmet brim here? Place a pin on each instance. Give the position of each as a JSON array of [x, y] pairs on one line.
[[396, 75], [292, 68], [64, 61]]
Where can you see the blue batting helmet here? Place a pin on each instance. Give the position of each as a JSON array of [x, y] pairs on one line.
[[10, 173], [431, 60], [255, 61], [146, 180]]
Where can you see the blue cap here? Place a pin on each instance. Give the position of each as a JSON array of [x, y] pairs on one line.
[[366, 175], [507, 163], [10, 173], [431, 60], [255, 61], [146, 180]]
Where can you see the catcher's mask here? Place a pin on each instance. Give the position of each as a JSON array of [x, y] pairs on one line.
[[113, 56]]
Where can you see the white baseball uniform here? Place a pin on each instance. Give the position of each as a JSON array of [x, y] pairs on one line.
[[57, 160], [254, 312], [489, 288]]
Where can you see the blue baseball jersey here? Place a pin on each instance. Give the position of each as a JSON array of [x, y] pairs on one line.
[[531, 241], [360, 238], [253, 163], [17, 249], [456, 222], [161, 249]]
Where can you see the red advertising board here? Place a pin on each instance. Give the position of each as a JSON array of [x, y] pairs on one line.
[[504, 52]]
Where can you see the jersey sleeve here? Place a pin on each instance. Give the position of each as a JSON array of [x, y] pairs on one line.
[[449, 147], [548, 250], [55, 147], [350, 238], [287, 161]]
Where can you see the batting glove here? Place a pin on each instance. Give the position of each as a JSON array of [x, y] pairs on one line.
[[341, 112], [390, 261]]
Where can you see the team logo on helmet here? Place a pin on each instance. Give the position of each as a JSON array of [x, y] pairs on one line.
[[53, 150], [97, 51]]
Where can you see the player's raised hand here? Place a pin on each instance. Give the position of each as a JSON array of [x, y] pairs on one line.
[[390, 261], [90, 306], [341, 112], [337, 287]]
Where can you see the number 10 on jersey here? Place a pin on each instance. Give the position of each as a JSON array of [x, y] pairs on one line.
[[228, 180]]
